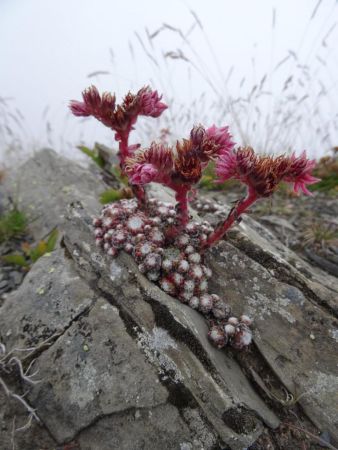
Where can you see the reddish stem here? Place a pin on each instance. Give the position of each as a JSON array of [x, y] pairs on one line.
[[123, 149], [138, 191], [221, 229], [181, 196], [182, 200]]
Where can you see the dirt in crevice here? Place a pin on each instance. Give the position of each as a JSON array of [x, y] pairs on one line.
[[288, 436], [164, 319]]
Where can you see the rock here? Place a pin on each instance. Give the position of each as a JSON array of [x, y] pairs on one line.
[[260, 244], [279, 223], [46, 183], [93, 370], [218, 383], [293, 333], [323, 262], [3, 285], [160, 427], [16, 277], [123, 365], [51, 297], [12, 414]]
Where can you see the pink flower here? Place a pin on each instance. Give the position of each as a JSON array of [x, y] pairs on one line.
[[107, 105], [197, 135], [143, 174], [79, 108], [102, 108], [226, 166], [221, 137], [299, 173], [155, 163], [150, 104], [262, 174]]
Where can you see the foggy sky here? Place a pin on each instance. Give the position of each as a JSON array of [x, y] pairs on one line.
[[48, 49]]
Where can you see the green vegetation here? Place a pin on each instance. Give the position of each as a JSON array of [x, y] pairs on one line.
[[328, 183], [94, 154], [114, 195], [327, 170], [12, 224], [117, 172], [32, 253], [100, 155], [208, 180]]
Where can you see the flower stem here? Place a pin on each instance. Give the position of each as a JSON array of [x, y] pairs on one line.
[[234, 214], [138, 191], [123, 149], [182, 205], [181, 196], [140, 194]]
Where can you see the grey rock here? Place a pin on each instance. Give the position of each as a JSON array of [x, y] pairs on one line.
[[127, 366], [46, 183], [278, 222], [12, 414], [16, 277], [294, 334], [260, 244], [160, 427], [51, 297], [323, 262], [3, 284], [94, 369], [217, 383]]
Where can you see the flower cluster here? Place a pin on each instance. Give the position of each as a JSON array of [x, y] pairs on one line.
[[120, 118], [179, 167], [262, 174], [182, 164], [176, 266], [167, 247]]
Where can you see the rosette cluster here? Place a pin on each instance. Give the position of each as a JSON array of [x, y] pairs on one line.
[[174, 263], [233, 331]]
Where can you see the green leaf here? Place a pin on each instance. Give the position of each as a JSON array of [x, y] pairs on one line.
[[41, 247], [35, 253], [116, 171], [92, 154], [111, 195], [16, 259], [86, 151], [52, 240]]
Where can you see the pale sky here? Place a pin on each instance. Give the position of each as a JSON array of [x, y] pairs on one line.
[[48, 49]]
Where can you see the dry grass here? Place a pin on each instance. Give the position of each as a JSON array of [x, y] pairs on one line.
[[320, 234], [299, 114]]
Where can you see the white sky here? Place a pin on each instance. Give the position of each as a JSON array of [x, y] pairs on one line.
[[48, 48]]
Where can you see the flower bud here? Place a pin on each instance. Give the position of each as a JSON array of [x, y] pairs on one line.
[[197, 134]]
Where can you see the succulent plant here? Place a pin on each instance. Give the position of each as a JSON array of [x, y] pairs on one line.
[[167, 246]]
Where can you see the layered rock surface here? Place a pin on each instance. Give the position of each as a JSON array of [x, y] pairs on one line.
[[130, 367]]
